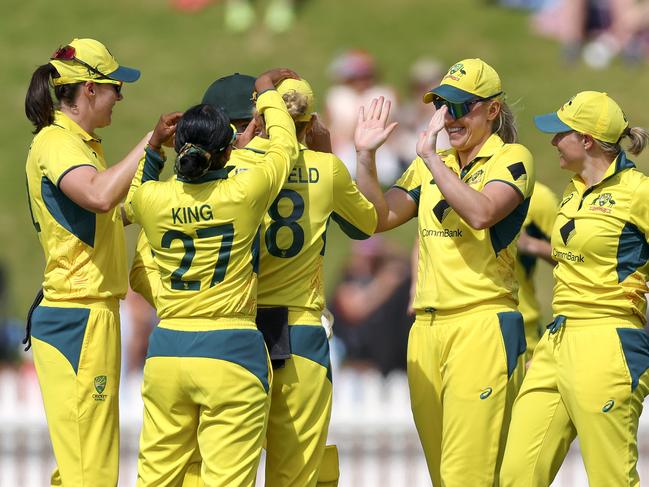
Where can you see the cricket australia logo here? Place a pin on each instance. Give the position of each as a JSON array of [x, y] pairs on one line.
[[456, 72], [100, 386], [603, 203]]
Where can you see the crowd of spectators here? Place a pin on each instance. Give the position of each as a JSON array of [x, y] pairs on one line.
[[597, 31]]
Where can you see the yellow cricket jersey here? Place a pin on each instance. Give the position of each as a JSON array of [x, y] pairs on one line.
[[538, 224], [599, 241], [85, 253], [144, 277], [203, 233], [293, 233], [458, 265]]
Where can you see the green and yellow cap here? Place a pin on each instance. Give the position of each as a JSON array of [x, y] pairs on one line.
[[89, 60], [468, 80], [302, 87], [588, 112]]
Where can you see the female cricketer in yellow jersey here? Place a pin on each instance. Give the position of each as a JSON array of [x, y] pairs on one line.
[[73, 198], [207, 376], [534, 244], [291, 297], [290, 286], [466, 347], [590, 371]]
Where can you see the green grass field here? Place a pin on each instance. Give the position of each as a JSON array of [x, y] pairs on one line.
[[180, 54]]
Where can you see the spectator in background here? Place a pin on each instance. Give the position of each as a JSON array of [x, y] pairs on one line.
[[414, 115], [355, 77], [10, 329], [240, 15], [370, 306], [598, 30]]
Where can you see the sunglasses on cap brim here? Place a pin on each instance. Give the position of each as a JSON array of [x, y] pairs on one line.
[[459, 110], [68, 53]]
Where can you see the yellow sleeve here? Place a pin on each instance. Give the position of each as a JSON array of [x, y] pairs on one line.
[[410, 181], [355, 215], [639, 214], [283, 150], [145, 276], [515, 167], [543, 209], [61, 157], [148, 169]]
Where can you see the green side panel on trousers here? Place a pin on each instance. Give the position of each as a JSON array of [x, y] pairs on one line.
[[242, 347], [513, 331], [635, 345], [311, 343], [63, 328]]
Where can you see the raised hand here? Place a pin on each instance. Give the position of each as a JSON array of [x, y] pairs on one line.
[[271, 78], [372, 130], [164, 130], [243, 138], [427, 143]]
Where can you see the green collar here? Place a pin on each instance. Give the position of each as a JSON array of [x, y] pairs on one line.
[[620, 164], [212, 175]]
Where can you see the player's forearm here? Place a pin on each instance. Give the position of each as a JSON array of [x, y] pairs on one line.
[[472, 206], [149, 167], [283, 148], [536, 247], [111, 186], [368, 183]]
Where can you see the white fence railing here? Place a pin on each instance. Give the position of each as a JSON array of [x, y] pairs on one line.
[[371, 424]]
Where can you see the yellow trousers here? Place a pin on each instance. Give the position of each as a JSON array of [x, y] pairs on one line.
[[464, 370], [77, 358], [299, 415], [587, 378], [205, 392], [300, 411]]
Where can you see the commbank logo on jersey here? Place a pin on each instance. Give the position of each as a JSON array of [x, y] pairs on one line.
[[603, 203], [441, 210], [567, 231], [517, 170]]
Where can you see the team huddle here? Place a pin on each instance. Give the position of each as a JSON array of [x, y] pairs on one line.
[[231, 254]]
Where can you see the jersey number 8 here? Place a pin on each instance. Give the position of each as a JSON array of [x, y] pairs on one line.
[[289, 222]]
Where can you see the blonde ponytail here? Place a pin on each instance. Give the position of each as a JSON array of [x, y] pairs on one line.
[[505, 126]]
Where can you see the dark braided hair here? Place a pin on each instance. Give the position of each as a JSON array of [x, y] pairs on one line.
[[202, 137]]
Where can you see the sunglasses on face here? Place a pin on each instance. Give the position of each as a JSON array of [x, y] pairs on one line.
[[68, 53], [455, 110], [458, 110]]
